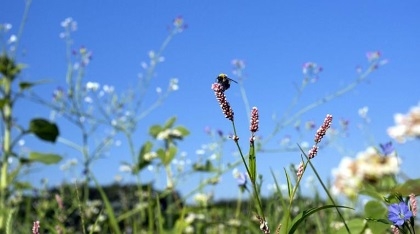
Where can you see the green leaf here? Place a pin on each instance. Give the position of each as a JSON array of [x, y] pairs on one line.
[[108, 208], [25, 85], [169, 123], [3, 101], [44, 129], [306, 213], [410, 186], [207, 167], [169, 155], [380, 226], [355, 225], [384, 221], [371, 191], [252, 163], [44, 158], [183, 130], [375, 209], [155, 130], [289, 184], [161, 154], [142, 163], [23, 185]]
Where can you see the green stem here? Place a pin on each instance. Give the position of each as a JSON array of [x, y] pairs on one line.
[[7, 117]]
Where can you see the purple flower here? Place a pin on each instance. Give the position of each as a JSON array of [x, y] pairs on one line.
[[373, 56], [241, 179], [398, 213], [311, 70], [387, 148]]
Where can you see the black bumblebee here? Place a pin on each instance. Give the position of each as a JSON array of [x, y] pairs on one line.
[[224, 81]]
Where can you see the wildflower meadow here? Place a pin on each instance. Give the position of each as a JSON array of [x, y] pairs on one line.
[[81, 154]]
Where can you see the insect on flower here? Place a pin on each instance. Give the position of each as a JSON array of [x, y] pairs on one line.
[[224, 81]]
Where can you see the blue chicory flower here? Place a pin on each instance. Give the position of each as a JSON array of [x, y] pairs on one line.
[[398, 213]]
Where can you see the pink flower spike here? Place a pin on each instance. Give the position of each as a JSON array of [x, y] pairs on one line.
[[413, 204], [300, 171], [221, 98], [254, 120], [313, 152], [323, 129], [35, 227]]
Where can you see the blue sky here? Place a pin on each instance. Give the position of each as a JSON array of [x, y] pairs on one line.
[[273, 38]]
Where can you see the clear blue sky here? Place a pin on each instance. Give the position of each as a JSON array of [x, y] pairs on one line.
[[273, 38]]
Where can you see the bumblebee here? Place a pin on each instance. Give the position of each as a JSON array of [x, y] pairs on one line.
[[224, 81]]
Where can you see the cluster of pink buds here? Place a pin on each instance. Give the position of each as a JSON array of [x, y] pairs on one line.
[[221, 98], [35, 227], [320, 133]]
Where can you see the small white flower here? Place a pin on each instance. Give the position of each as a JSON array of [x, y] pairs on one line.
[[125, 168], [363, 112], [158, 90], [114, 122], [92, 86], [118, 178], [173, 84], [200, 152], [12, 39], [144, 65], [7, 27], [150, 156], [108, 89], [88, 100], [66, 22], [152, 54]]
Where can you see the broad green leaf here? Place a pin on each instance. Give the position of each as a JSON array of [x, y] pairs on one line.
[[371, 191], [155, 130], [410, 186], [145, 148], [44, 129], [161, 154], [169, 123], [355, 225], [44, 158], [184, 131], [169, 155], [306, 213], [375, 209], [379, 226]]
